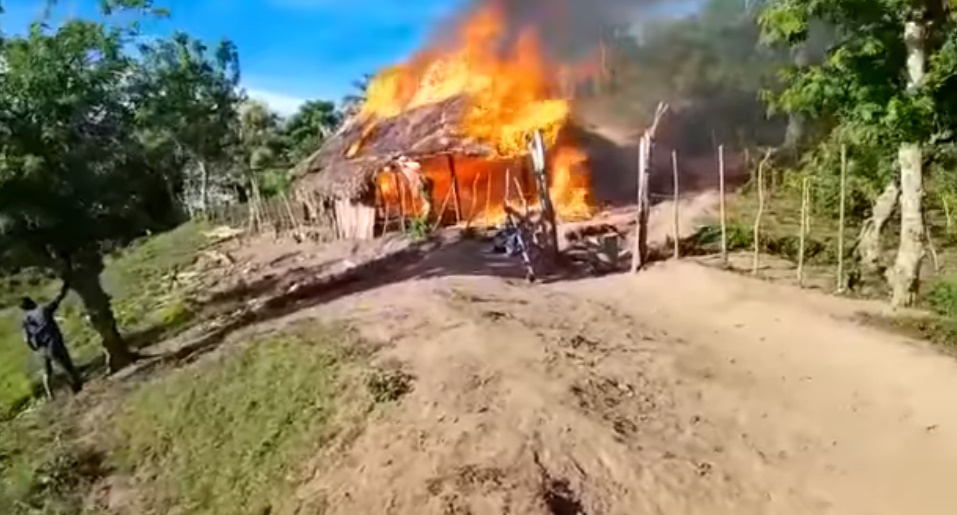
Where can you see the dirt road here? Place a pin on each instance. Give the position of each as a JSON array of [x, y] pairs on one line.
[[684, 390]]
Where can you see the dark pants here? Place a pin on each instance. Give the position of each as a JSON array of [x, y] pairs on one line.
[[57, 353]]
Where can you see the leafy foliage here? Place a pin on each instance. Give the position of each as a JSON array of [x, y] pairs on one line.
[[305, 130], [100, 144]]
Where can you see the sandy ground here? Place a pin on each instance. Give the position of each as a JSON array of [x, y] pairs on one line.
[[682, 390]]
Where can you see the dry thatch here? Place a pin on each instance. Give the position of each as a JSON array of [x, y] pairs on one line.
[[420, 133]]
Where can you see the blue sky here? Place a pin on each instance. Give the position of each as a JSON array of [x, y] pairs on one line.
[[290, 50]]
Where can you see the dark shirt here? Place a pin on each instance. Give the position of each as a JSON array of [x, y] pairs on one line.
[[41, 329]]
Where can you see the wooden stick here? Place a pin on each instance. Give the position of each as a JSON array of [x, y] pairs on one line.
[[757, 218], [723, 214], [677, 220], [455, 189], [525, 211], [641, 233], [521, 194], [508, 186], [805, 200], [840, 222], [538, 151], [292, 217], [400, 187], [934, 257], [385, 206], [474, 200], [488, 196], [445, 204]]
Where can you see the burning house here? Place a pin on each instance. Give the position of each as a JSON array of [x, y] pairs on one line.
[[445, 136]]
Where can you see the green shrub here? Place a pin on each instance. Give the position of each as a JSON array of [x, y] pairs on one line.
[[419, 229], [942, 298]]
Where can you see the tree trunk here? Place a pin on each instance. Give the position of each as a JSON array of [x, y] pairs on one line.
[[85, 280], [904, 277], [869, 242]]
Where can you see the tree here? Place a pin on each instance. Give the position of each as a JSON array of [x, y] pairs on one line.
[[188, 105], [313, 123], [261, 148], [710, 67], [352, 103], [77, 177], [881, 86]]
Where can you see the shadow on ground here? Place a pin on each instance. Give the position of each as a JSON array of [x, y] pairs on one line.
[[276, 296]]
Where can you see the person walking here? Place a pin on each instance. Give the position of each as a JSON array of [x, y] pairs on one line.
[[45, 339]]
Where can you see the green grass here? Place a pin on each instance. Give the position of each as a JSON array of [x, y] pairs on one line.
[[144, 297], [42, 469], [939, 326], [224, 438], [230, 434]]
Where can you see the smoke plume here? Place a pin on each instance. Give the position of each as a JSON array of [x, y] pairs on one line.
[[569, 28]]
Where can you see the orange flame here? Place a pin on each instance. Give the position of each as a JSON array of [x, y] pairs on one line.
[[511, 92]]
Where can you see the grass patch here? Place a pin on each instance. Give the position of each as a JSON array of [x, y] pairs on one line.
[[231, 434], [145, 296], [389, 385], [227, 436], [938, 330], [42, 467]]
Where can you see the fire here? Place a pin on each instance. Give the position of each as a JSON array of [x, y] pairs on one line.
[[512, 91]]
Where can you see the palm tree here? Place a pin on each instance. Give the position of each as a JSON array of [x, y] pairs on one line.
[[352, 103]]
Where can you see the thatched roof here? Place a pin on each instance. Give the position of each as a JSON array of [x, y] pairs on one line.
[[420, 133]]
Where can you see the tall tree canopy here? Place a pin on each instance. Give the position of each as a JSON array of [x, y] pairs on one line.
[[886, 88], [81, 122], [308, 127]]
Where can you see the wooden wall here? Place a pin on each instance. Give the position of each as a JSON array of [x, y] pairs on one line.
[[355, 220]]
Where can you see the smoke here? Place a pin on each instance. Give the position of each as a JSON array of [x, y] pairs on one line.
[[567, 29]]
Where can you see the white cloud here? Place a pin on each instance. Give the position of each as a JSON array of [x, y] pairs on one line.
[[283, 104]]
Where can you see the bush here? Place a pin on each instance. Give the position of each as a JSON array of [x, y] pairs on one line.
[[942, 298], [740, 237], [419, 229]]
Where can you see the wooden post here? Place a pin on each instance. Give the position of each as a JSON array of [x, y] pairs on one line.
[[292, 217], [385, 205], [455, 189], [508, 186], [521, 196], [840, 221], [400, 187], [757, 218], [802, 236], [677, 220], [474, 200], [723, 211], [537, 148], [641, 229], [445, 204], [640, 251]]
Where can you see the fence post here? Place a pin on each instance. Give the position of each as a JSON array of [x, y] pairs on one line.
[[802, 237], [677, 220], [840, 223], [723, 212], [756, 260]]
